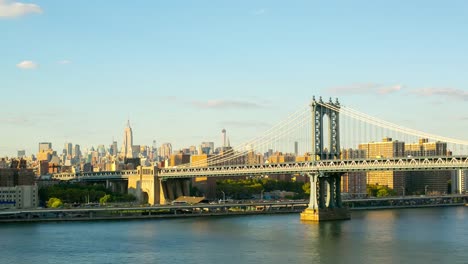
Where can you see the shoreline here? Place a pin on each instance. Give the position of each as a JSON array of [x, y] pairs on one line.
[[206, 214]]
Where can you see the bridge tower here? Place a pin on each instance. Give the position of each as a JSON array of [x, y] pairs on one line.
[[320, 111], [325, 189]]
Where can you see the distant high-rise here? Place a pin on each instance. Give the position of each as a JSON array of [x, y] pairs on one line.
[[127, 145], [68, 149], [45, 146], [207, 148], [223, 132], [21, 153], [76, 152], [113, 148], [165, 150]]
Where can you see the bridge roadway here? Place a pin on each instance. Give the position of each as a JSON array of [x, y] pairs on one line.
[[324, 166], [94, 176]]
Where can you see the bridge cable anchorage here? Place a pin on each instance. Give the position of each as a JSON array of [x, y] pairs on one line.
[[288, 126]]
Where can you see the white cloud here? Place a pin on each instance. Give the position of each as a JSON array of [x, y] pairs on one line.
[[451, 93], [64, 62], [27, 65], [9, 9], [223, 104], [390, 89]]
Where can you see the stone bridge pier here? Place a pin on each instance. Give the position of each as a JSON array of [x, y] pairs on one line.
[[325, 199], [148, 188]]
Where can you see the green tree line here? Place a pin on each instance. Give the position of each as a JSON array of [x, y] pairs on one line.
[[80, 193], [246, 188]]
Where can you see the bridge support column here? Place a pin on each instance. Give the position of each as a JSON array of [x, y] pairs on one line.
[[318, 210], [313, 204], [178, 187], [331, 192], [170, 190], [186, 187]]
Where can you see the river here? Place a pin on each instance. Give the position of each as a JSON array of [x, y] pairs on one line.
[[425, 235]]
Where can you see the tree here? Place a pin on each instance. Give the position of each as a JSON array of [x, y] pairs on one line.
[[104, 199], [306, 188], [54, 203]]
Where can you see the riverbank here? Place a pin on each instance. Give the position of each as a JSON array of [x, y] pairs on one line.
[[138, 213]]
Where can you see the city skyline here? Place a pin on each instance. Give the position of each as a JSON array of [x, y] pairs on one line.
[[181, 72]]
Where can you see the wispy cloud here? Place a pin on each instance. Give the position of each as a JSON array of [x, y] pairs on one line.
[[451, 93], [27, 65], [225, 104], [17, 121], [390, 89], [245, 124], [260, 11], [63, 62], [10, 9], [365, 88]]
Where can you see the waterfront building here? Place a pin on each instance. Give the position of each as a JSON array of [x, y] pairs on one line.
[[17, 186], [388, 148], [354, 183], [19, 197], [436, 181]]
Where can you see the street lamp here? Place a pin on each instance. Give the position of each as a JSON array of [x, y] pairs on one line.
[[224, 197], [425, 189], [261, 195], [403, 188]]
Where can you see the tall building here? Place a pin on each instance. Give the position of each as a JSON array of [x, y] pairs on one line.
[[113, 148], [21, 153], [45, 146], [223, 133], [45, 151], [354, 183], [436, 181], [76, 152], [388, 148], [207, 148], [68, 149], [127, 145], [165, 150]]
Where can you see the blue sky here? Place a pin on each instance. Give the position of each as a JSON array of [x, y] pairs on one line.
[[75, 71]]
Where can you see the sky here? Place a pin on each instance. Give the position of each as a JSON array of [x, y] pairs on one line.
[[181, 71]]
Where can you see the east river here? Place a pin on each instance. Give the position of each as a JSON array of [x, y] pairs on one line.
[[429, 235]]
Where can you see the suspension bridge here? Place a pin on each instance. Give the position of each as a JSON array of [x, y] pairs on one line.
[[332, 140], [323, 141]]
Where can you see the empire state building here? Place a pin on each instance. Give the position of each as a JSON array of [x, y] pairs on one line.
[[127, 151]]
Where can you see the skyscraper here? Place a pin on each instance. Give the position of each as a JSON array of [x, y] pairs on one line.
[[45, 146], [68, 149], [113, 148], [223, 132], [127, 145]]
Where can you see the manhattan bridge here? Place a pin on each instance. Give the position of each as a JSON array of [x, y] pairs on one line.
[[322, 131]]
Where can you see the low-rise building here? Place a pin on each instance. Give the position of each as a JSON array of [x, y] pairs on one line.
[[19, 197]]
